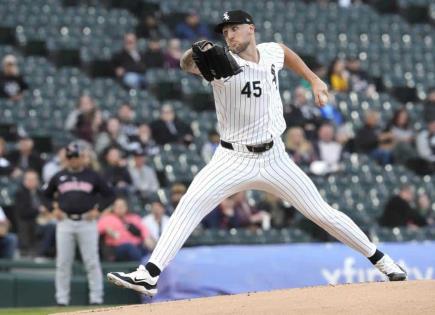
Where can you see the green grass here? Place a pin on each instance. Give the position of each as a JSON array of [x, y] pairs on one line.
[[42, 310]]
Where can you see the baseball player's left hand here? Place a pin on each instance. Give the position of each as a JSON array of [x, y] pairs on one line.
[[320, 91]]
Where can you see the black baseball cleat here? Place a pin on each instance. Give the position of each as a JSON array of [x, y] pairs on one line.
[[139, 280], [393, 271]]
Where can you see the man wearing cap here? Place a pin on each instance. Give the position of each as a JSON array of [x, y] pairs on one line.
[[12, 83], [76, 196], [251, 154]]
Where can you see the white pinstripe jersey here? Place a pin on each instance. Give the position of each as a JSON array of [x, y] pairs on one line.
[[248, 105]]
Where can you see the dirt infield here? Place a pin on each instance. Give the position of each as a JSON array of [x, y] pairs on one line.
[[412, 297]]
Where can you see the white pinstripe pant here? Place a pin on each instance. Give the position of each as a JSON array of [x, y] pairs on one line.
[[273, 171]]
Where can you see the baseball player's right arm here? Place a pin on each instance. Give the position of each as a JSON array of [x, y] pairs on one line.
[[187, 64], [293, 62]]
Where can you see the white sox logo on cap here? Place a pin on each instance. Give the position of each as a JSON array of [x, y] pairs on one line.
[[226, 17]]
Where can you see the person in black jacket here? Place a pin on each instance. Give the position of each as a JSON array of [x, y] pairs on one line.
[[25, 157], [150, 27], [429, 105], [168, 129], [154, 54], [12, 84], [372, 140], [398, 210], [28, 205], [129, 64], [115, 172], [81, 194]]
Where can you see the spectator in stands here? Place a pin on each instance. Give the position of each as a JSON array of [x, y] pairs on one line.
[[130, 65], [156, 221], [143, 176], [54, 165], [250, 216], [25, 157], [8, 241], [12, 84], [370, 139], [85, 121], [330, 112], [28, 205], [127, 116], [192, 28], [143, 140], [426, 144], [46, 224], [327, 149], [169, 129], [398, 210], [210, 146], [225, 217], [429, 106], [150, 28], [345, 137], [302, 112], [400, 127], [403, 137], [299, 148], [281, 213], [115, 171], [111, 136], [154, 54], [177, 192], [5, 165], [125, 238], [359, 79], [425, 208], [90, 158], [338, 76], [173, 54]]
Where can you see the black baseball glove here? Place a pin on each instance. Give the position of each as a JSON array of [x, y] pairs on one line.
[[214, 63]]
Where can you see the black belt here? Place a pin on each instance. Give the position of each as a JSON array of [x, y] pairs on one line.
[[75, 216], [251, 148]]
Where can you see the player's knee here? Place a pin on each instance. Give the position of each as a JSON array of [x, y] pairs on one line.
[[64, 264], [92, 264], [327, 215]]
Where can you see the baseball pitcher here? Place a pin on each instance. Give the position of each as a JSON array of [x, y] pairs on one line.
[[251, 154]]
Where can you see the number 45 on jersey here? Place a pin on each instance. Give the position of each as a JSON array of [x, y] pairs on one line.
[[254, 88]]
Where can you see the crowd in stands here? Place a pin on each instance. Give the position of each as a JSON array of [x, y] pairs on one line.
[[322, 134], [120, 147]]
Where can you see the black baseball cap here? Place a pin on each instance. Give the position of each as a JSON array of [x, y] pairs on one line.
[[139, 152], [73, 150], [234, 17]]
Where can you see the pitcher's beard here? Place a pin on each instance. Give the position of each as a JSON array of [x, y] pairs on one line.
[[239, 48]]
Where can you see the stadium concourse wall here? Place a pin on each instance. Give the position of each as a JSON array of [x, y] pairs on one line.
[[28, 284], [207, 271]]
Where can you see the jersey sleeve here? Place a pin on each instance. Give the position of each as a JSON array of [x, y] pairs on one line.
[[48, 192], [50, 188], [275, 53]]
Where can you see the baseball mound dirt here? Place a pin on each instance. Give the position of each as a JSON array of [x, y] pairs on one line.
[[412, 297]]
